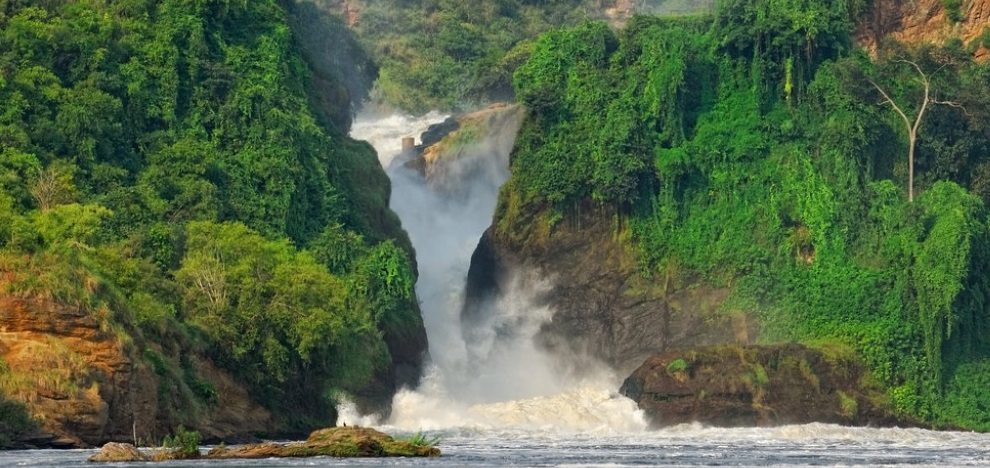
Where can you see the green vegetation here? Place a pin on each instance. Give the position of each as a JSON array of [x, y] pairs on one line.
[[15, 421], [953, 9], [747, 150], [676, 366], [420, 440], [182, 172], [448, 54], [184, 444], [848, 405]]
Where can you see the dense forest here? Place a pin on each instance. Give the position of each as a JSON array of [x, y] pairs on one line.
[[458, 54], [757, 149], [180, 170]]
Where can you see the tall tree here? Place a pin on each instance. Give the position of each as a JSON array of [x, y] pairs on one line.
[[913, 125]]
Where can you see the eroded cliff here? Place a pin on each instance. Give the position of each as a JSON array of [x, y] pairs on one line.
[[927, 22], [87, 381]]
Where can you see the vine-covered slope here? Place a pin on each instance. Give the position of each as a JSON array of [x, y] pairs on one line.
[[755, 185], [177, 172]]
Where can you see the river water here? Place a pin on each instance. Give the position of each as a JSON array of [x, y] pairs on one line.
[[808, 445], [492, 398]]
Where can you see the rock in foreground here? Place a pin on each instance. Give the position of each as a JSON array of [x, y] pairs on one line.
[[333, 442], [757, 386], [115, 452]]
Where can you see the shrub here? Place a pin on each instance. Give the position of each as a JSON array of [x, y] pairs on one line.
[[183, 442]]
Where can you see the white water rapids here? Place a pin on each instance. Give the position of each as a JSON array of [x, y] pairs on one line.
[[498, 401], [497, 378]]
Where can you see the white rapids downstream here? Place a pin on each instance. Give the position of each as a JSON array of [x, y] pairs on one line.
[[501, 401], [496, 400]]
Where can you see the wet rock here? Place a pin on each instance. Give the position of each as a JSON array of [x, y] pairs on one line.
[[757, 386], [467, 149], [333, 442], [602, 305], [117, 452], [174, 454]]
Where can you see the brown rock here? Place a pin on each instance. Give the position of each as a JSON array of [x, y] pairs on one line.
[[757, 386], [924, 21], [456, 151], [115, 452], [86, 385], [334, 442], [603, 307]]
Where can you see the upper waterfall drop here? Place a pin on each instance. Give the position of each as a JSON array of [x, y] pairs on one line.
[[492, 375]]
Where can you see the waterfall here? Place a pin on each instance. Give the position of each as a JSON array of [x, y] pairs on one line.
[[497, 377]]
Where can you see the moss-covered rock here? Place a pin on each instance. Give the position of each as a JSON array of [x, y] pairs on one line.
[[758, 385], [114, 452], [333, 442]]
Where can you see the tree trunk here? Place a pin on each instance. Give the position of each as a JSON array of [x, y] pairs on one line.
[[912, 140]]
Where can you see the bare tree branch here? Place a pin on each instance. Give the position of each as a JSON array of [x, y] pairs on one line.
[[913, 129]]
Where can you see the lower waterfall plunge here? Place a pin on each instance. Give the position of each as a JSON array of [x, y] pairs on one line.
[[493, 376]]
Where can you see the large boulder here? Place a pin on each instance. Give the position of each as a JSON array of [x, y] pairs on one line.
[[334, 442], [117, 452], [468, 149], [757, 386]]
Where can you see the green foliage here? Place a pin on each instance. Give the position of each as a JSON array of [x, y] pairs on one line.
[[450, 54], [676, 366], [181, 169], [185, 443], [15, 421], [420, 440], [966, 400], [953, 9], [760, 162], [848, 406]]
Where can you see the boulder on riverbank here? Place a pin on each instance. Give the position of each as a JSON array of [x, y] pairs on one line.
[[115, 452], [332, 442], [757, 386]]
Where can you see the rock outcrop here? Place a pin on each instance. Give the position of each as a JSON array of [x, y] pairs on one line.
[[467, 149], [333, 442], [349, 442], [602, 306], [757, 386], [114, 452], [86, 382], [927, 21]]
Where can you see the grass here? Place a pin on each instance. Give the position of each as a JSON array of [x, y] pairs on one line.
[[677, 366], [15, 421], [422, 440], [848, 405]]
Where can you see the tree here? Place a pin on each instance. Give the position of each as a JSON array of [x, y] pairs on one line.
[[53, 186], [914, 125]]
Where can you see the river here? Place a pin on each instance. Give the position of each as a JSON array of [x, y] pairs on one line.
[[492, 398], [808, 445]]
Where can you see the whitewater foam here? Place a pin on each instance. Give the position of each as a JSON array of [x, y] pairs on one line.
[[490, 375]]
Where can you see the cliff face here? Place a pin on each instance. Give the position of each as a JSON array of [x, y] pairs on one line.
[[86, 385], [602, 305], [756, 386], [926, 21]]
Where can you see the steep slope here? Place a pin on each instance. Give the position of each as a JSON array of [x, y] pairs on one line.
[[928, 22], [186, 227], [687, 182]]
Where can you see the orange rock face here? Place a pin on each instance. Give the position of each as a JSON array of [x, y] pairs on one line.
[[72, 375], [86, 383], [925, 21]]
